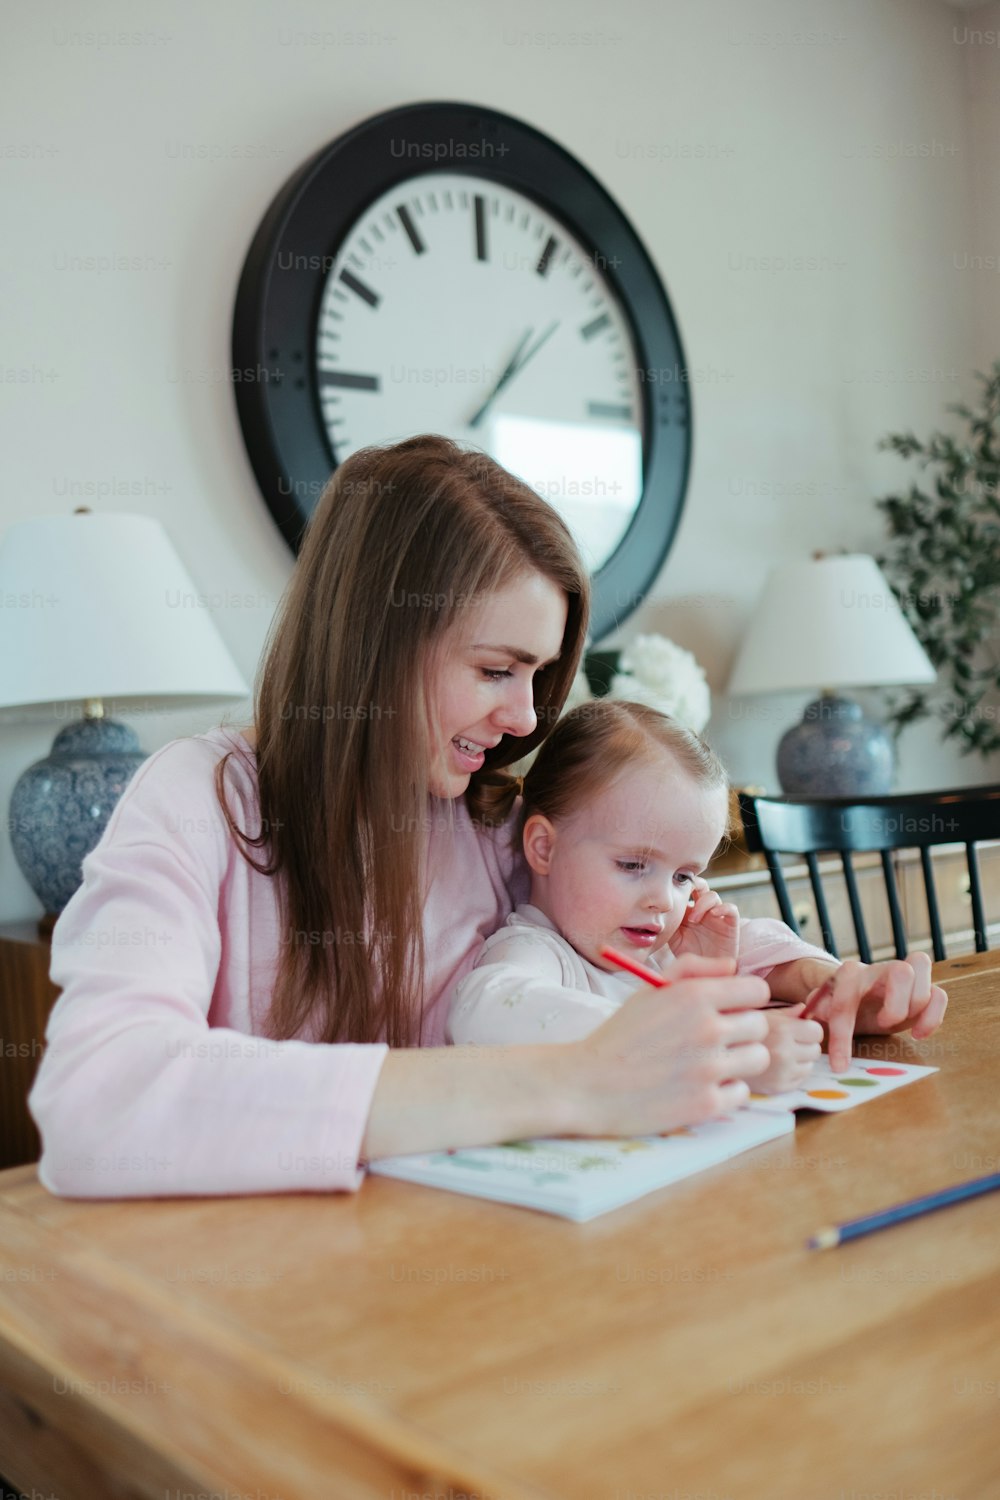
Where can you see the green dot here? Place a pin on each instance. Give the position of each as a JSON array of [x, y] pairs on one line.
[[859, 1083]]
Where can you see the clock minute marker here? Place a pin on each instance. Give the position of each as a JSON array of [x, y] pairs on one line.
[[350, 382], [609, 409], [545, 258], [412, 232], [595, 325], [358, 287]]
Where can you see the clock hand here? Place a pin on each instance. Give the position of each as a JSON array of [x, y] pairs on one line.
[[505, 375], [514, 367], [530, 354]]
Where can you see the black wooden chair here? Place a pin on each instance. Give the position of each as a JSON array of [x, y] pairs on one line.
[[850, 825]]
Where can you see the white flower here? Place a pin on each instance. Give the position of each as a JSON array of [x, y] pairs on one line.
[[654, 671]]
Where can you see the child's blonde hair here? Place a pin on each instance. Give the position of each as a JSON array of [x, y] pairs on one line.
[[592, 744]]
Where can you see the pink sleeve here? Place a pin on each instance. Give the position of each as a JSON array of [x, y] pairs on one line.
[[137, 1096], [766, 942]]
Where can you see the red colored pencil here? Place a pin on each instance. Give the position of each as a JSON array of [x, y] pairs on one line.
[[623, 962]]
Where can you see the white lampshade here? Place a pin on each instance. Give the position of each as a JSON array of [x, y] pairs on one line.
[[830, 622], [101, 606]]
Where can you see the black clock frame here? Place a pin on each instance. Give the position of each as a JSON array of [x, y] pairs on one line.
[[286, 269]]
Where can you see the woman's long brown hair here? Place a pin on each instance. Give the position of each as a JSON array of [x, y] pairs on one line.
[[402, 540]]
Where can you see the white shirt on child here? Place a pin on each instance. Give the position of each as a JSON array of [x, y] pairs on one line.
[[530, 985]]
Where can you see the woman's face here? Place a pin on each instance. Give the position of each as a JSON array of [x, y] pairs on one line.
[[483, 688]]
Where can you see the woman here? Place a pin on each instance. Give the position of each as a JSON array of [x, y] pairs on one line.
[[256, 969]]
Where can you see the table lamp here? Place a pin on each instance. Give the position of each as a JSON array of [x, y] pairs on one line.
[[829, 623], [96, 607]]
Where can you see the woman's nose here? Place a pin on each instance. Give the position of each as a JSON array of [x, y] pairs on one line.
[[517, 712]]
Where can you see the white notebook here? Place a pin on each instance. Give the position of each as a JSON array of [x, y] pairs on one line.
[[579, 1179], [582, 1178]]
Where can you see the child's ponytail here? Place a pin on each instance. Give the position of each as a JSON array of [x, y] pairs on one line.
[[492, 796]]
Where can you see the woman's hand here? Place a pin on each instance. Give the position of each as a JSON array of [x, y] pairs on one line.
[[673, 1057], [896, 995], [709, 928], [794, 1045]]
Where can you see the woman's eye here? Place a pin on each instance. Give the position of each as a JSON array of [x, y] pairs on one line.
[[494, 674]]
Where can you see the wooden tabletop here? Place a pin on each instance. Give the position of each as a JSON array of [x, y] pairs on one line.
[[414, 1344]]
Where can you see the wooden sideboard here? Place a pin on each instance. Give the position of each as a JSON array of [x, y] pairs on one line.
[[743, 879], [27, 994]]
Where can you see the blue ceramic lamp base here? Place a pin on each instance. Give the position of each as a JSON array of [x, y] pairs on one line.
[[835, 751], [60, 806]]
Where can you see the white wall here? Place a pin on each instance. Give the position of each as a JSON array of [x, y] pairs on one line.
[[727, 130], [977, 33]]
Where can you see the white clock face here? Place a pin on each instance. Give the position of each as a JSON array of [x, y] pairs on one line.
[[459, 306]]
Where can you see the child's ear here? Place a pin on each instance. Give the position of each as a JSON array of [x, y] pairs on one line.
[[537, 841]]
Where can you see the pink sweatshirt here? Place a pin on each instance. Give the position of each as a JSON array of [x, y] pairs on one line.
[[156, 1080]]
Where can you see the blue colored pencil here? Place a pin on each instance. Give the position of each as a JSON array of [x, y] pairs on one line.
[[855, 1228]]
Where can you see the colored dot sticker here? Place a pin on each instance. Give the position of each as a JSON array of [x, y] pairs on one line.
[[858, 1083], [827, 1094], [887, 1072]]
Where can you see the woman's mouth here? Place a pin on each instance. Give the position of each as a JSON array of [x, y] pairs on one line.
[[470, 756]]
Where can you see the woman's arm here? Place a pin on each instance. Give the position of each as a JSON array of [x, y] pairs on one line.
[[664, 1059], [140, 1093]]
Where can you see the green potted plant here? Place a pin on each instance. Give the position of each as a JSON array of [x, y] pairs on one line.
[[944, 568]]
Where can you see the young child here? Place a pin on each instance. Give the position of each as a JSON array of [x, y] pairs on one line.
[[622, 810]]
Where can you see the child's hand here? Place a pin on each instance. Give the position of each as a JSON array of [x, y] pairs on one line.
[[883, 997], [710, 927], [794, 1046]]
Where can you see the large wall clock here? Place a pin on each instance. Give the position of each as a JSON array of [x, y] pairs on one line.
[[445, 268]]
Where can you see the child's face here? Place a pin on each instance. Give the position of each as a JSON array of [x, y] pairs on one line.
[[620, 870]]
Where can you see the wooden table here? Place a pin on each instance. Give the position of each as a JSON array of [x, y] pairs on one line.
[[408, 1343]]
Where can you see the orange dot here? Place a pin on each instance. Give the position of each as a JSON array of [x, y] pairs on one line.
[[828, 1094]]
